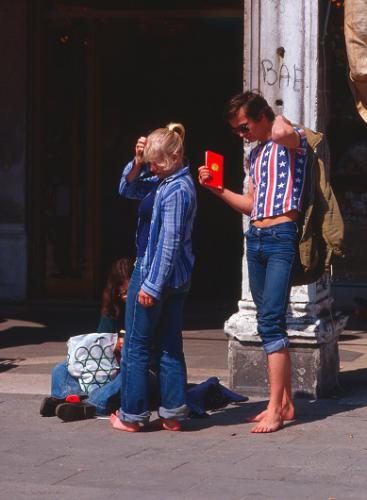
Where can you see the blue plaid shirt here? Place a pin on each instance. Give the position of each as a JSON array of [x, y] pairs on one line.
[[168, 259]]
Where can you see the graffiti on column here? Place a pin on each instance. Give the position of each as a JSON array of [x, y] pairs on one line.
[[284, 77]]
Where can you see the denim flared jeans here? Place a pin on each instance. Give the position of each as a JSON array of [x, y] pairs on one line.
[[153, 332], [271, 254]]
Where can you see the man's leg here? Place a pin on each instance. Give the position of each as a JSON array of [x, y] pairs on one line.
[[278, 250], [288, 411], [257, 270], [279, 369]]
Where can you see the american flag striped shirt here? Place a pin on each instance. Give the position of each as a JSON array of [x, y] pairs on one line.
[[278, 177]]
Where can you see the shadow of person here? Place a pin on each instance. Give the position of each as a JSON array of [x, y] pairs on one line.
[[233, 414], [8, 364], [14, 335], [36, 325], [350, 395]]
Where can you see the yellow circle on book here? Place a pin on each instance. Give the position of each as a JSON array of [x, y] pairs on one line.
[[215, 167]]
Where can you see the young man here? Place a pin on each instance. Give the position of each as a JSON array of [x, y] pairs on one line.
[[273, 202]]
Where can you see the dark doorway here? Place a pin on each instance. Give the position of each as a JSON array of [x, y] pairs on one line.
[[347, 136], [111, 75]]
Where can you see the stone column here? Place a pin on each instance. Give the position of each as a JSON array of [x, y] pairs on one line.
[[282, 59]]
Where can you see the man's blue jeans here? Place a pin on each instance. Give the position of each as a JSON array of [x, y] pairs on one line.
[[271, 253], [160, 328]]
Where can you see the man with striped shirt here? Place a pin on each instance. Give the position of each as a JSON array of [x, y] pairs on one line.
[[273, 202]]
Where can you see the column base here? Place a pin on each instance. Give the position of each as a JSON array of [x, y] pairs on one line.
[[315, 367]]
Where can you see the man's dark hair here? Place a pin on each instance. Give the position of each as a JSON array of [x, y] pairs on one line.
[[252, 102]]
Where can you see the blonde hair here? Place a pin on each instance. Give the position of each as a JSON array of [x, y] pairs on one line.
[[162, 144]]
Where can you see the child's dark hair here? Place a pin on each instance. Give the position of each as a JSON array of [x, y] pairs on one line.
[[254, 104], [111, 302]]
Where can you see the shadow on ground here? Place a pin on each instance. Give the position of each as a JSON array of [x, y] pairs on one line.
[[35, 323], [8, 364], [27, 324], [306, 411], [350, 395], [356, 320]]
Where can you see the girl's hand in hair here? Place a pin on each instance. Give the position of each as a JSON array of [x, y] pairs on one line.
[[138, 160], [139, 150]]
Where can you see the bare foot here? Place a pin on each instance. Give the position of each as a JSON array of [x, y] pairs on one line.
[[270, 423], [123, 426], [169, 424], [288, 413], [258, 417]]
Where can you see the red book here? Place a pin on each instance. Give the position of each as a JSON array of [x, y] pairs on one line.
[[214, 162]]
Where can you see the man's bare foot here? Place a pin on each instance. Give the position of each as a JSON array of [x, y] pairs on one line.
[[288, 413], [123, 426], [270, 423], [169, 424], [258, 417]]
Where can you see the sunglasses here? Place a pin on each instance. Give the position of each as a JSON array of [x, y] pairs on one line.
[[241, 129]]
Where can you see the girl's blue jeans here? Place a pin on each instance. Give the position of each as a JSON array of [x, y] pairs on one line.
[[157, 331], [105, 399], [271, 254]]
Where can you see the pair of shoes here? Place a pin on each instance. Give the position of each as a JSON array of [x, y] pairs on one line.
[[169, 424], [69, 412], [48, 406]]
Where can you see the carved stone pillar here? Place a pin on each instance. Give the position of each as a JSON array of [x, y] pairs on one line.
[[282, 59]]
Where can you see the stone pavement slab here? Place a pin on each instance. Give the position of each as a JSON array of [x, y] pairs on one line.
[[321, 456]]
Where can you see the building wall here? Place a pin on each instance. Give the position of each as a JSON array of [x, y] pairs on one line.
[[13, 103], [280, 57]]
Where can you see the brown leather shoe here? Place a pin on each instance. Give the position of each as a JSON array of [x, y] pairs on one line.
[[48, 406], [68, 412]]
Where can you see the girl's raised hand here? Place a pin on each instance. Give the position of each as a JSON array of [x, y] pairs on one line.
[[139, 150]]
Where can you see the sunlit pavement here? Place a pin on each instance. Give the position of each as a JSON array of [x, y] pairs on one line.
[[322, 455]]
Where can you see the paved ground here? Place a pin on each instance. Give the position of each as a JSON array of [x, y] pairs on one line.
[[321, 456]]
